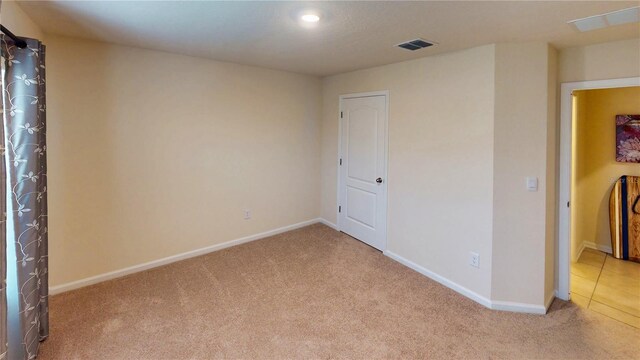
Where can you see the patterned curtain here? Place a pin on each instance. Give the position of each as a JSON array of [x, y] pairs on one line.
[[23, 95], [3, 234]]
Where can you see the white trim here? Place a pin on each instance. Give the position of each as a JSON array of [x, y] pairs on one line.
[[494, 305], [384, 93], [599, 247], [440, 279], [365, 94], [174, 258], [329, 224], [590, 245], [564, 212], [518, 307], [338, 173]]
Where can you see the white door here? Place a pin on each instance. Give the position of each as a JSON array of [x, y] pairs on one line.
[[362, 191]]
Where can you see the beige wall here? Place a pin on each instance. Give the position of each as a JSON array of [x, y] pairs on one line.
[[524, 126], [440, 159], [596, 167], [612, 60], [153, 154], [458, 189], [12, 16]]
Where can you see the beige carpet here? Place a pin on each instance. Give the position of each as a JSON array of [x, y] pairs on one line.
[[311, 293]]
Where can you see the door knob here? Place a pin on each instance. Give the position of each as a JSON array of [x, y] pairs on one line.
[[379, 180]]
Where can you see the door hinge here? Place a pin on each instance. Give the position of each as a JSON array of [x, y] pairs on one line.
[[568, 203], [339, 208], [340, 161], [341, 115]]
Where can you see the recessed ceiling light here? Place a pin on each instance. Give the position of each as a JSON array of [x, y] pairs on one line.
[[624, 16], [310, 18], [590, 23]]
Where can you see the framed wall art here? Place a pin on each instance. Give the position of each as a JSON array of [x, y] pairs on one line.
[[628, 138]]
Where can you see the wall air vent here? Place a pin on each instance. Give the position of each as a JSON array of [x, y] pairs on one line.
[[416, 44]]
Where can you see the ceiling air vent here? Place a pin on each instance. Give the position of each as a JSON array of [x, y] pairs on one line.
[[416, 44]]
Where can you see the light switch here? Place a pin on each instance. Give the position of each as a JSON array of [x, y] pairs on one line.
[[532, 183]]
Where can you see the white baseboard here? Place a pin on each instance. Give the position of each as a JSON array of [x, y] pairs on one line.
[[524, 307], [329, 224], [496, 305], [440, 279], [575, 257], [171, 259], [518, 307], [592, 245], [491, 304]]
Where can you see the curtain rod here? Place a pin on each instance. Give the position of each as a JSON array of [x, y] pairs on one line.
[[19, 42]]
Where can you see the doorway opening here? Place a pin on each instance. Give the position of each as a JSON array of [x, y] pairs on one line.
[[588, 273]]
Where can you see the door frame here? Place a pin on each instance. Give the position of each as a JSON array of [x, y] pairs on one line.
[[385, 183], [566, 139]]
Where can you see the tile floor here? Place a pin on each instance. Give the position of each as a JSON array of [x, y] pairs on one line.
[[607, 285]]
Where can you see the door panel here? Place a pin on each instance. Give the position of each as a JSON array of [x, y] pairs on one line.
[[363, 145], [361, 206]]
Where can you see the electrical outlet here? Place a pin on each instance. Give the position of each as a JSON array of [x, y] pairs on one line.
[[247, 214], [474, 260]]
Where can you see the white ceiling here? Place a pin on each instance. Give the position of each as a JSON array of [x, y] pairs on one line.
[[351, 35]]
